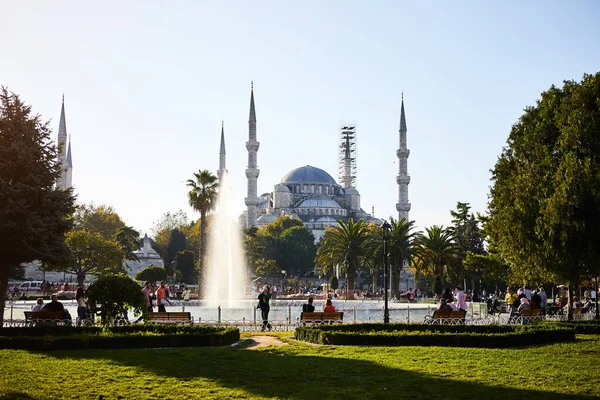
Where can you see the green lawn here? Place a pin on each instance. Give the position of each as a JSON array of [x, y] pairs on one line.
[[303, 371]]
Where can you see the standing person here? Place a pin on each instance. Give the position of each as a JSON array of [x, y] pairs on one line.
[[544, 299], [147, 291], [511, 301], [161, 297], [263, 301], [81, 306], [461, 299]]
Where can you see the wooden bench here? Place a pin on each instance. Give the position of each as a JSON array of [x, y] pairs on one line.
[[534, 312], [45, 317], [321, 317], [452, 317], [171, 317]]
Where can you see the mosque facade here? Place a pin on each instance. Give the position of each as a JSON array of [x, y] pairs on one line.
[[309, 193]]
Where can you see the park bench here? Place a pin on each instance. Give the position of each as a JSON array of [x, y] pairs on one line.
[[321, 317], [530, 315], [47, 317], [452, 317], [171, 317]]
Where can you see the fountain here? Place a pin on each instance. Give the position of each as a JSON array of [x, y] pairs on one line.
[[226, 268]]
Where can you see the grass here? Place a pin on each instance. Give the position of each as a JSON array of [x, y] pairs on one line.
[[303, 371]]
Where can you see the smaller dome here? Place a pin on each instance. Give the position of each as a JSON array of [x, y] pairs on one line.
[[350, 191], [282, 188], [319, 202], [266, 219]]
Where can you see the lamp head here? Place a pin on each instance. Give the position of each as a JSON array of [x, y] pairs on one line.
[[385, 229]]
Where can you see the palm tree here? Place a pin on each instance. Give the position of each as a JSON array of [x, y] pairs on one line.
[[347, 245], [401, 248], [435, 253], [202, 198], [128, 239]]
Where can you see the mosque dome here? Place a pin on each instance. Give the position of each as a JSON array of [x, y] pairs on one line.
[[350, 191], [308, 174], [282, 188], [266, 219], [319, 202]]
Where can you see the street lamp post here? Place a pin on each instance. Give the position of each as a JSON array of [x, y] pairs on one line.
[[385, 230]]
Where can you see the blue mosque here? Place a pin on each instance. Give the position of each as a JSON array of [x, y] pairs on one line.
[[310, 193]]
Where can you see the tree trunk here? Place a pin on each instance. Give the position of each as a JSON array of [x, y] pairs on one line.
[[3, 286], [350, 285], [80, 278], [374, 290], [395, 280]]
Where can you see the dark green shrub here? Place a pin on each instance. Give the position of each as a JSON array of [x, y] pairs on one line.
[[334, 282], [152, 274], [124, 340], [488, 336], [116, 294]]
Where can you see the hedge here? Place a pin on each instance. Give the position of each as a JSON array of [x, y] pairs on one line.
[[486, 336], [85, 338], [66, 330], [590, 327]]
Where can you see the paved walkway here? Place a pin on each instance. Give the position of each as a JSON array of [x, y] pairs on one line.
[[263, 341]]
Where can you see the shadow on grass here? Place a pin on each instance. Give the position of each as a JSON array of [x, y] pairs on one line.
[[300, 373]]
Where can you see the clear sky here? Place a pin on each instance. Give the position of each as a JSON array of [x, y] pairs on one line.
[[147, 84]]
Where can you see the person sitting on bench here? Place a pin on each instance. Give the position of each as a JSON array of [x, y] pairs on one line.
[[443, 307], [329, 306], [55, 306], [309, 306]]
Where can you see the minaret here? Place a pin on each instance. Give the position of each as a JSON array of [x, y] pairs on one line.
[[252, 171], [222, 155], [403, 206], [62, 148], [69, 167]]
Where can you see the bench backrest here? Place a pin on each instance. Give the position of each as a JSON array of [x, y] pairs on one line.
[[536, 312], [43, 315], [458, 314], [322, 316], [333, 316], [169, 316], [440, 314]]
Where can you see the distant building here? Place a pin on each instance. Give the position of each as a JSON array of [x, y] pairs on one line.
[[147, 256]]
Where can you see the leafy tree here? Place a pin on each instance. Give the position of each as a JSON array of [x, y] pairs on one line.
[[285, 240], [185, 265], [116, 294], [202, 198], [91, 254], [129, 240], [152, 274], [266, 268], [34, 213], [544, 209], [347, 245], [435, 253], [177, 243], [161, 230], [467, 238], [102, 219], [334, 282]]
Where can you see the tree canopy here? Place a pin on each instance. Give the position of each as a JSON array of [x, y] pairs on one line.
[[34, 213], [116, 294], [152, 274], [102, 219], [544, 209]]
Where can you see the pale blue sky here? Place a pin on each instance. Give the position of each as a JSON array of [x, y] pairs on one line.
[[147, 83]]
